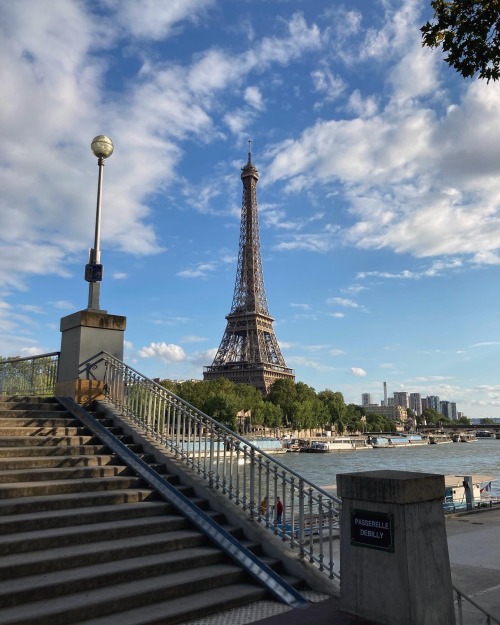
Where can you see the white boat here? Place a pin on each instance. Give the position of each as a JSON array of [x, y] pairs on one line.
[[324, 447], [464, 437]]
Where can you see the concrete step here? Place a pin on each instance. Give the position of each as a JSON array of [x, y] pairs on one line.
[[38, 521], [19, 418], [115, 529], [40, 462], [26, 430], [28, 505], [47, 441], [22, 590], [16, 476], [73, 556], [129, 595], [59, 487], [33, 405], [31, 446], [184, 609], [47, 450]]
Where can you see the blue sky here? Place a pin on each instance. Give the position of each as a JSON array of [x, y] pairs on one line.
[[378, 196]]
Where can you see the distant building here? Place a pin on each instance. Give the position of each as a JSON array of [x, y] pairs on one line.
[[402, 399], [444, 408], [454, 414], [396, 413], [433, 403], [416, 403], [366, 399]]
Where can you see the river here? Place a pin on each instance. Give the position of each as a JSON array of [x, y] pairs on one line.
[[481, 457]]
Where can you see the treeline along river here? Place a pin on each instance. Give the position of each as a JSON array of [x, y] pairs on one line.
[[481, 457]]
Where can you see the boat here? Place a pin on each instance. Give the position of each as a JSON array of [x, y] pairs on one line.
[[269, 445], [397, 440], [439, 439], [464, 437], [324, 447], [456, 488], [484, 434]]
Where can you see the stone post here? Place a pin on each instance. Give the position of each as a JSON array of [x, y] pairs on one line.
[[85, 334], [394, 562]]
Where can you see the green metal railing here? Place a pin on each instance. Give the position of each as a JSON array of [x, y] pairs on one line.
[[34, 375]]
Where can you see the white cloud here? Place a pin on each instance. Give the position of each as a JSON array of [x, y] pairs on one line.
[[200, 271], [437, 268], [336, 352], [358, 372], [328, 84], [156, 20], [191, 338], [309, 363], [164, 351], [253, 97], [342, 301], [63, 305]]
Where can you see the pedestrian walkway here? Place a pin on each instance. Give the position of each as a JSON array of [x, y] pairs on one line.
[[474, 546]]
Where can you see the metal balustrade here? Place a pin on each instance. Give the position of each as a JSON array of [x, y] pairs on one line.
[[33, 375], [247, 476], [475, 611]]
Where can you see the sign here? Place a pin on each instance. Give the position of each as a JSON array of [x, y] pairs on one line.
[[93, 273], [372, 529]]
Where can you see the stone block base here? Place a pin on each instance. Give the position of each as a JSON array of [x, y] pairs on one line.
[[83, 392]]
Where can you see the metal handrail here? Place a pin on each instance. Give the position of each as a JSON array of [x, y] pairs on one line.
[[489, 620], [247, 476], [31, 375]]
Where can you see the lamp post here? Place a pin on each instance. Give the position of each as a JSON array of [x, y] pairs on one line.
[[102, 147]]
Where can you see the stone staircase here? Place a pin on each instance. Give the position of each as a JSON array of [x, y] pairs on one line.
[[83, 541]]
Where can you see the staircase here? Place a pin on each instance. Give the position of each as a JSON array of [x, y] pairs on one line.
[[83, 541]]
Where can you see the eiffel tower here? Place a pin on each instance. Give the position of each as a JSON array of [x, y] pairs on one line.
[[249, 352]]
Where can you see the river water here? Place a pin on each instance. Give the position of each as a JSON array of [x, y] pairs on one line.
[[481, 457]]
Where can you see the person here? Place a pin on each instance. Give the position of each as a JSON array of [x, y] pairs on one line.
[[263, 506], [279, 510]]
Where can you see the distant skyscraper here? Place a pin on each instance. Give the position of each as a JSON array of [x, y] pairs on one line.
[[416, 403], [402, 399], [385, 394], [433, 403], [454, 414], [366, 399]]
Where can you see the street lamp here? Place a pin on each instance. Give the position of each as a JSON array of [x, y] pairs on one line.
[[102, 147]]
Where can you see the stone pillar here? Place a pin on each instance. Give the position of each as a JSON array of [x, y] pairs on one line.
[[85, 334], [394, 561]]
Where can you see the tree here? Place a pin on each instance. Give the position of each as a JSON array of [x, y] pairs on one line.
[[283, 393], [468, 32], [334, 404], [487, 421]]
